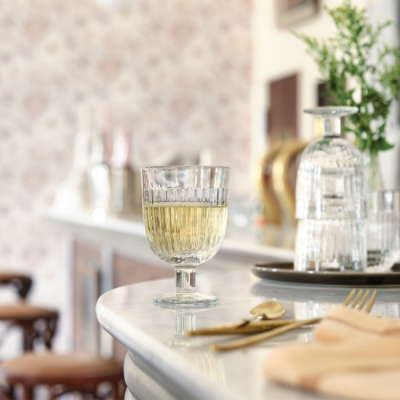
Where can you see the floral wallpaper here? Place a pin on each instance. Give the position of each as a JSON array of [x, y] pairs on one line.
[[176, 72]]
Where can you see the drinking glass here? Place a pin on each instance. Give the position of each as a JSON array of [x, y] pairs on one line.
[[383, 230], [185, 213]]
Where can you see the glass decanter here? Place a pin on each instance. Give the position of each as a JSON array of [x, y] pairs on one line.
[[331, 200]]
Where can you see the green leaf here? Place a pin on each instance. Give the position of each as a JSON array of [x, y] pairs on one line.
[[383, 145]]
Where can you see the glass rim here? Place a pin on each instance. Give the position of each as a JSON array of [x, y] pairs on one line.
[[386, 196], [383, 191], [332, 111], [166, 167], [384, 200]]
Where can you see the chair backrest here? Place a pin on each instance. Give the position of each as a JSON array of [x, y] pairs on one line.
[[21, 282]]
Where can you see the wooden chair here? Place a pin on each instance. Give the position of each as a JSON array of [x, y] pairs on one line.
[[22, 283], [37, 323], [62, 373]]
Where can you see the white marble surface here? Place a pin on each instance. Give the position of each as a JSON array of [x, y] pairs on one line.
[[164, 364]]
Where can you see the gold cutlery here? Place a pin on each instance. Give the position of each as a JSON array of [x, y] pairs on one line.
[[255, 339], [254, 327], [267, 310]]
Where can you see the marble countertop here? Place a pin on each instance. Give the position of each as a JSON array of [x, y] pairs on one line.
[[163, 363]]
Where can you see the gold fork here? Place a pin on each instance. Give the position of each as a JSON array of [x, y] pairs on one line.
[[254, 339]]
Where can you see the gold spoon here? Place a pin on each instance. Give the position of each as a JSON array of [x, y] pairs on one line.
[[268, 310]]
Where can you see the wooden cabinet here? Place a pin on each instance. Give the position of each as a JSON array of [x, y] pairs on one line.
[[127, 271], [91, 278], [86, 291]]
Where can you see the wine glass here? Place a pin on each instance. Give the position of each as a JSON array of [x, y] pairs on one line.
[[185, 213]]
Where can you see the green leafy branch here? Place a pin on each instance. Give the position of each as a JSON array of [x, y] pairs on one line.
[[344, 62]]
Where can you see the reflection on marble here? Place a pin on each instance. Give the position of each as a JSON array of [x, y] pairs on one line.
[[193, 348]]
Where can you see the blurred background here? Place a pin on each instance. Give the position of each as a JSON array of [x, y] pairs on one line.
[[91, 90]]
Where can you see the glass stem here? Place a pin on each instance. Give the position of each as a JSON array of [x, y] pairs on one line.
[[185, 323], [185, 280], [332, 126]]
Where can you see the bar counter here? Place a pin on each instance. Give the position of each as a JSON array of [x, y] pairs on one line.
[[164, 363]]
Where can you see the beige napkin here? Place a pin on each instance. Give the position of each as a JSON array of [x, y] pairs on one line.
[[354, 355], [344, 323]]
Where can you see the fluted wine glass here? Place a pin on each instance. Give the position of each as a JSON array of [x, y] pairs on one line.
[[185, 213]]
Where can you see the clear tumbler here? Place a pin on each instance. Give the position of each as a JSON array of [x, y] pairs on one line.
[[383, 230]]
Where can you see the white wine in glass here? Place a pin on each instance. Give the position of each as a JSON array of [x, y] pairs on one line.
[[185, 214]]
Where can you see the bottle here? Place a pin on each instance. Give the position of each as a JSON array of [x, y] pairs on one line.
[[99, 171], [81, 155], [331, 201], [122, 191]]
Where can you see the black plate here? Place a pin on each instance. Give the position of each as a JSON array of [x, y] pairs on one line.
[[284, 272]]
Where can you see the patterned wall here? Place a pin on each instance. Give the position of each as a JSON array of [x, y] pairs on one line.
[[176, 71]]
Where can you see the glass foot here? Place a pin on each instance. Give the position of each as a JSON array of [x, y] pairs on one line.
[[176, 301]]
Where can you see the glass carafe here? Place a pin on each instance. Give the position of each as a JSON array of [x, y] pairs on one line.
[[331, 198]]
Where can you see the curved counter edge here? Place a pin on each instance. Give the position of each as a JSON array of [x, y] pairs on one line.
[[147, 356]]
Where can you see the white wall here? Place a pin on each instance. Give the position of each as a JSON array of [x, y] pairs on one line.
[[278, 53]]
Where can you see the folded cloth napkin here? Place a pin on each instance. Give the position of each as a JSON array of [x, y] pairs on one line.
[[344, 323], [354, 356]]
